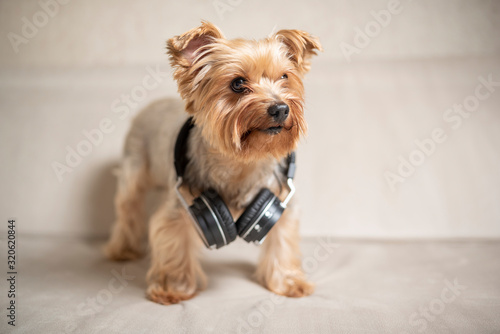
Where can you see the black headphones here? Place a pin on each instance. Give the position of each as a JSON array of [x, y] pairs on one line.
[[210, 215]]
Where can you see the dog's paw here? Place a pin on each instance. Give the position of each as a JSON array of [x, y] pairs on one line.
[[292, 286], [159, 295]]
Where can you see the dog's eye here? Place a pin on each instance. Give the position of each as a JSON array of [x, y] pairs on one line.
[[284, 76], [238, 85]]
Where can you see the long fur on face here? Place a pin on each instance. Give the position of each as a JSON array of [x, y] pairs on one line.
[[206, 63]]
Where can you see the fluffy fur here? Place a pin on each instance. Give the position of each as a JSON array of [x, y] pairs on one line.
[[230, 150]]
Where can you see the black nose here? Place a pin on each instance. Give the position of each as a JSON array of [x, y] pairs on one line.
[[279, 112]]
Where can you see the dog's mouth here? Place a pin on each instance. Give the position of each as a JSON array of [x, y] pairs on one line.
[[274, 130]]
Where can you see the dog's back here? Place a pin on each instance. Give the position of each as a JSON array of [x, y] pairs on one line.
[[150, 140]]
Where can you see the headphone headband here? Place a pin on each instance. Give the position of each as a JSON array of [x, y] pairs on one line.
[[290, 172], [180, 157]]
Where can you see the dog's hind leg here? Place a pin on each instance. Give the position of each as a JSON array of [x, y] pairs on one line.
[[126, 241]]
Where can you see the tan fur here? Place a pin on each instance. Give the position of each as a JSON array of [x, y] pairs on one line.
[[228, 150]]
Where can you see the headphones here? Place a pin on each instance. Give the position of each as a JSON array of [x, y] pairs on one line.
[[211, 217]]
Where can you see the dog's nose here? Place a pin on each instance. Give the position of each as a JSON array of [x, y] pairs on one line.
[[279, 112]]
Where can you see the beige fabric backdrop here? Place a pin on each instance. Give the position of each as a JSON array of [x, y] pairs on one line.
[[74, 62]]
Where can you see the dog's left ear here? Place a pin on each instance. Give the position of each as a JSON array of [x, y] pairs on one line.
[[184, 49], [301, 47]]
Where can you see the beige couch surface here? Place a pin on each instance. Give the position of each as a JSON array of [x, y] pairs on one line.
[[65, 286]]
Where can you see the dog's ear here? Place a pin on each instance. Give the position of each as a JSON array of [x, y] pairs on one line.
[[184, 49], [301, 46]]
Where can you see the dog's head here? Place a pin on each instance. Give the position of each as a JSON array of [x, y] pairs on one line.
[[247, 96]]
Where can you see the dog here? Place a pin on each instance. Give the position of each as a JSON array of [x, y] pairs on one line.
[[245, 103]]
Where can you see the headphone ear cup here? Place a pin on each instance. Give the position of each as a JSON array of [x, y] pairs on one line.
[[223, 215], [203, 219], [265, 199]]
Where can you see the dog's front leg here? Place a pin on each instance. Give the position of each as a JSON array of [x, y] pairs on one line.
[[175, 273], [280, 267]]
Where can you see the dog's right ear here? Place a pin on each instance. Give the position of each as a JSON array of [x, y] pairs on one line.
[[184, 49], [301, 46]]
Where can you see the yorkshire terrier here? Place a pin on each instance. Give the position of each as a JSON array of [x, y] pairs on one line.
[[245, 99]]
